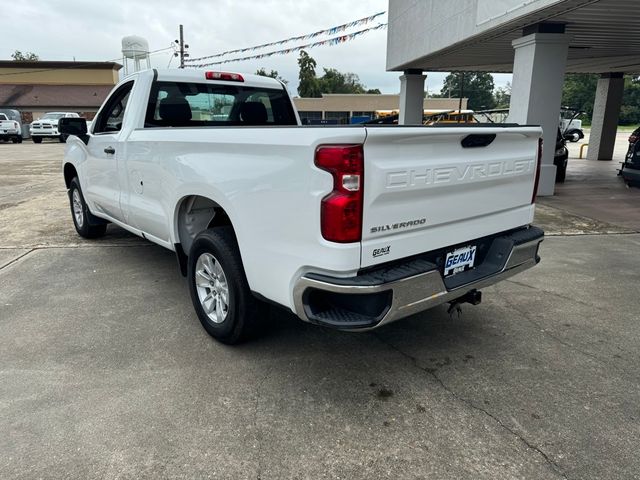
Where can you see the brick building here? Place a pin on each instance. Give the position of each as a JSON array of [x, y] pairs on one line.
[[341, 107], [36, 87]]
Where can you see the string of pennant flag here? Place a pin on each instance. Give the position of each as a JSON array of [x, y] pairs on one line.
[[330, 41], [327, 31]]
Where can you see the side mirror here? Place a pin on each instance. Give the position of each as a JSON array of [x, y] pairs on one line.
[[74, 126]]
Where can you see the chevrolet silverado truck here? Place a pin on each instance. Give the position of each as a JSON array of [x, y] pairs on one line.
[[47, 126], [10, 129], [350, 227]]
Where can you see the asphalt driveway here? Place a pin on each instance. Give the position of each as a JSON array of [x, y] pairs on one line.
[[106, 373]]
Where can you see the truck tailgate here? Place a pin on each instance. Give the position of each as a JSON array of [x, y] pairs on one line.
[[423, 190]]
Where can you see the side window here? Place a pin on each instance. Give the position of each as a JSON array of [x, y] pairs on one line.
[[110, 119]]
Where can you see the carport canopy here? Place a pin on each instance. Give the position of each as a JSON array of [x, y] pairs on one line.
[[538, 40], [477, 35]]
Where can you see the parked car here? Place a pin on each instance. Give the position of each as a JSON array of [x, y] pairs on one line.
[[630, 170], [10, 128], [47, 126], [634, 137], [348, 227]]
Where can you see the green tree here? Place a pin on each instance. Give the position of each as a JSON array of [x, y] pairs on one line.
[[579, 92], [333, 81], [502, 96], [308, 85], [272, 74], [26, 56], [630, 111], [478, 88]]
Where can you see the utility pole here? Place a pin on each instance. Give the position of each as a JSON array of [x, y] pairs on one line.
[[182, 52], [461, 95]]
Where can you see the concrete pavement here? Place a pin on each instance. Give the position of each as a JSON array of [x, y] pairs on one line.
[[106, 373]]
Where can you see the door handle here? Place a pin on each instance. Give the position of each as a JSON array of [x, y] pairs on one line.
[[110, 150]]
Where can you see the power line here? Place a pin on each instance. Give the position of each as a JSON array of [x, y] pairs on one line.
[[183, 47], [77, 64], [330, 41], [326, 31]]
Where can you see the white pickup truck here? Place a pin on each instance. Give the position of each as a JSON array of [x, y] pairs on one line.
[[10, 129], [47, 126], [350, 227]]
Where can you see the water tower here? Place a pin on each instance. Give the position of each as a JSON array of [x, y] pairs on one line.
[[134, 48]]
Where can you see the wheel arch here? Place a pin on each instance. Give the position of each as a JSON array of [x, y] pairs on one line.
[[69, 171], [194, 214]]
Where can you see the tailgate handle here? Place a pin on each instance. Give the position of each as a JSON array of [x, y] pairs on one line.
[[477, 140]]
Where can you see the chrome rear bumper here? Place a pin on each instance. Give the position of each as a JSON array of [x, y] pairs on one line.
[[411, 294]]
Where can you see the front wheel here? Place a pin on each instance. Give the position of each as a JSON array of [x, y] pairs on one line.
[[63, 138], [561, 173], [82, 218], [36, 139], [218, 286]]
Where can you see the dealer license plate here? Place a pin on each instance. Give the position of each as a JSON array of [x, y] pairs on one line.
[[459, 259]]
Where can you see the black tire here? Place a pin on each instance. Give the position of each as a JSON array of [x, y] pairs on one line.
[[579, 135], [243, 311], [19, 139], [62, 138], [36, 139], [14, 140], [561, 173], [86, 225]]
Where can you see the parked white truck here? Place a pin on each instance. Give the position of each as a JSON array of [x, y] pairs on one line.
[[350, 227], [47, 126], [10, 129]]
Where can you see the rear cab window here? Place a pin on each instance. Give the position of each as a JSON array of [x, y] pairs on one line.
[[186, 104]]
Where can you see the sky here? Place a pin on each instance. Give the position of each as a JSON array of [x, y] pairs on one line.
[[87, 30]]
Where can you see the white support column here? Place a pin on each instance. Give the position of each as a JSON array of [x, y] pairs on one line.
[[606, 111], [536, 93], [411, 97]]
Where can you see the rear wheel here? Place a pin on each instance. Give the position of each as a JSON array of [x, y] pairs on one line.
[[218, 286], [561, 173], [82, 218], [62, 138], [36, 139]]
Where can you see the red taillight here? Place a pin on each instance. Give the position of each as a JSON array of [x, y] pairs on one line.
[[538, 164], [633, 139], [15, 124], [341, 210], [231, 77]]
